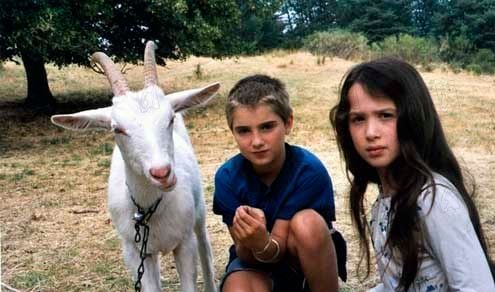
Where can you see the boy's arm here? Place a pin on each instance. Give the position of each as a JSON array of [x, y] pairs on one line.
[[250, 235], [243, 252], [280, 233]]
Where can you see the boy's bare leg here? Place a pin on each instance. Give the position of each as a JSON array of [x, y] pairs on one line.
[[247, 281], [311, 244]]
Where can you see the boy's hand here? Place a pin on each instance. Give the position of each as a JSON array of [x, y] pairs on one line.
[[249, 227]]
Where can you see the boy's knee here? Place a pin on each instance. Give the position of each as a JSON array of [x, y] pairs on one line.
[[246, 281], [307, 227]]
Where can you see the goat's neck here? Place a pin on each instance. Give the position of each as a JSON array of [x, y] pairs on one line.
[[144, 193]]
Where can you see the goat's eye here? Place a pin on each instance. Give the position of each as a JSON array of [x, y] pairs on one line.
[[120, 131], [171, 121]]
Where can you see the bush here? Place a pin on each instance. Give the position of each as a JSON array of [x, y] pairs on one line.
[[456, 49], [337, 43], [475, 68], [483, 61], [415, 50]]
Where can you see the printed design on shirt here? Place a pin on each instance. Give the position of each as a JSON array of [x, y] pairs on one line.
[[430, 288], [389, 264]]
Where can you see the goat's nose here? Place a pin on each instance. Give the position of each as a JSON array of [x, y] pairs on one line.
[[160, 172]]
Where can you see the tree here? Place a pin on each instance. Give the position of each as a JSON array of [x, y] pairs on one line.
[[473, 20], [422, 12], [33, 31], [67, 32], [304, 17], [260, 26], [379, 19]]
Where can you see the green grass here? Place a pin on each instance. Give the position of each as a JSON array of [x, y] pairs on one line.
[[112, 243], [102, 149], [59, 140], [31, 280], [23, 174], [105, 163]]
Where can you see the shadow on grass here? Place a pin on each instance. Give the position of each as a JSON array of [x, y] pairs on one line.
[[71, 102], [23, 128]]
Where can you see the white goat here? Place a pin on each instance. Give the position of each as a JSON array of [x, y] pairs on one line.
[[155, 197]]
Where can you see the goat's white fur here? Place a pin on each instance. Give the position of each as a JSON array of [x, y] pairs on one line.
[[154, 139]]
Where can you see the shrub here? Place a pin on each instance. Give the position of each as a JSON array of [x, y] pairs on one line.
[[475, 68], [455, 49], [337, 43], [483, 61], [415, 50], [460, 52]]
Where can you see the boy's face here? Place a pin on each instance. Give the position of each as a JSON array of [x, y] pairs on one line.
[[260, 136]]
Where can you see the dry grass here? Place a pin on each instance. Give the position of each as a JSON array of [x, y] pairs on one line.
[[55, 232]]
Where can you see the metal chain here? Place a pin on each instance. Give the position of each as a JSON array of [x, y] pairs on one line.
[[142, 216]]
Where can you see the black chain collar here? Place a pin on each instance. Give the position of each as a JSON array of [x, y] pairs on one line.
[[142, 217]]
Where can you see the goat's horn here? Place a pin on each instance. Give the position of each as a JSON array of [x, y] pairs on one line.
[[150, 77], [115, 77]]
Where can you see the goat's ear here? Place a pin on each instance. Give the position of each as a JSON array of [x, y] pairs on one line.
[[194, 97], [97, 119]]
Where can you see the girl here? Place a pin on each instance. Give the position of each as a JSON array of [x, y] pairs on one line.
[[424, 226]]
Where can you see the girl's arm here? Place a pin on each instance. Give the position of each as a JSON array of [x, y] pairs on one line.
[[453, 241]]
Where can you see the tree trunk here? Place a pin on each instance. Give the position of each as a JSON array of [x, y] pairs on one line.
[[39, 97]]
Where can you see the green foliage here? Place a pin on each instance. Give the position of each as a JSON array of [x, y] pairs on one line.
[[475, 68], [21, 175], [423, 16], [30, 279], [305, 17], [56, 140], [198, 72], [473, 20], [104, 149], [180, 28], [58, 31], [337, 43], [66, 31], [483, 61], [456, 49], [415, 50], [259, 28], [379, 19], [105, 163]]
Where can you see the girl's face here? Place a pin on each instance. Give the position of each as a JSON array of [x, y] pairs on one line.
[[373, 128], [260, 136]]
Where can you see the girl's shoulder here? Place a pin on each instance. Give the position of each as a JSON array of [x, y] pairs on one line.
[[440, 196]]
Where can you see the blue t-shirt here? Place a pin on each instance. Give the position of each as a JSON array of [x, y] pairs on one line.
[[303, 183]]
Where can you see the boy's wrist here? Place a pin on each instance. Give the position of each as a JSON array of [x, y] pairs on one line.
[[271, 256], [265, 247]]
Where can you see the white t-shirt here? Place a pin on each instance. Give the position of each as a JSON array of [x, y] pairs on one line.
[[452, 257]]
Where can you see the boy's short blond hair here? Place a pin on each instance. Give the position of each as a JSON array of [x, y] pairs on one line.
[[255, 90]]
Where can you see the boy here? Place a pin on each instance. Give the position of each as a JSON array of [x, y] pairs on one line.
[[276, 199]]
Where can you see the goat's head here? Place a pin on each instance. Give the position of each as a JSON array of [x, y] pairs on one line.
[[143, 121]]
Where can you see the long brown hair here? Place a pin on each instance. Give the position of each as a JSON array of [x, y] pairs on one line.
[[423, 150]]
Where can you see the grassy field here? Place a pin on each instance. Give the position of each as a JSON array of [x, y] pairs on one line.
[[55, 232]]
